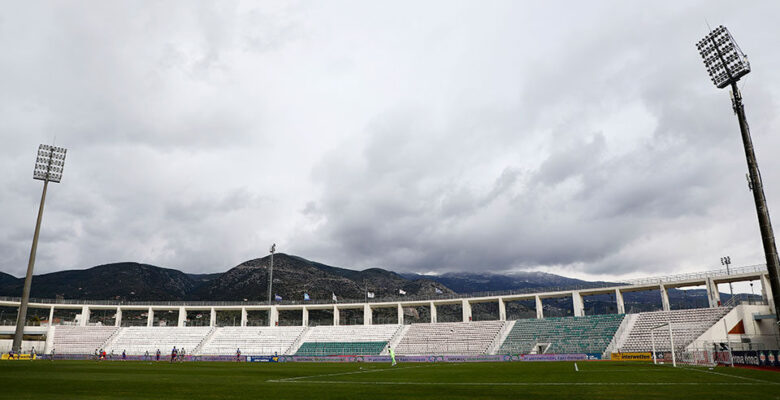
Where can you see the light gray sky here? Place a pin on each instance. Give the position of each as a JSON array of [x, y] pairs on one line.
[[579, 138]]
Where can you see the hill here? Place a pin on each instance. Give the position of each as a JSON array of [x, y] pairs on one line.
[[295, 275], [121, 281], [249, 280]]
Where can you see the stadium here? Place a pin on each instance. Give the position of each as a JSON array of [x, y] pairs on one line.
[[673, 351], [479, 150]]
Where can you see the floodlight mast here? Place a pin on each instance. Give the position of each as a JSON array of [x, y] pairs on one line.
[[48, 168], [271, 274], [726, 64]]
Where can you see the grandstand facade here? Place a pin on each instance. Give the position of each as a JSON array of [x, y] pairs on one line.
[[221, 328]]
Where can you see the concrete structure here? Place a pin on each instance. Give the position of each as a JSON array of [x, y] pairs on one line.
[[709, 279]]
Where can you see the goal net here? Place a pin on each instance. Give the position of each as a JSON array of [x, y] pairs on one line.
[[671, 344]]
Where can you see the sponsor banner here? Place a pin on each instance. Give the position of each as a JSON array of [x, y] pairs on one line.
[[757, 358], [348, 359], [553, 357], [482, 358], [28, 357], [632, 356], [262, 358], [134, 357], [445, 359], [321, 359]]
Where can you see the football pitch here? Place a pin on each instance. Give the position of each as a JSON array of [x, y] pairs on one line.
[[211, 380]]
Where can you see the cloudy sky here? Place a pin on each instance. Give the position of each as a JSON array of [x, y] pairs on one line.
[[580, 138]]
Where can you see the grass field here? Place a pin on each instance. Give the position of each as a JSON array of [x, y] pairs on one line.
[[548, 380]]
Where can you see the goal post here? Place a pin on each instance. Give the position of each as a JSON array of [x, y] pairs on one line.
[[671, 342], [676, 338]]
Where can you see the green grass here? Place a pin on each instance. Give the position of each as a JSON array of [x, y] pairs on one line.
[[549, 380]]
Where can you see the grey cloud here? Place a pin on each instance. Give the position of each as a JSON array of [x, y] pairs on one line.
[[579, 139]]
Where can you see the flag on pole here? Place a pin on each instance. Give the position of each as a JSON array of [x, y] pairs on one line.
[[401, 291], [306, 297], [334, 297], [277, 297], [370, 295], [438, 291]]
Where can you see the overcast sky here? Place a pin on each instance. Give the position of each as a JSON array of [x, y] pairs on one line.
[[579, 138]]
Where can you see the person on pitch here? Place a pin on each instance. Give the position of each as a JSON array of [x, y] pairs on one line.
[[392, 355]]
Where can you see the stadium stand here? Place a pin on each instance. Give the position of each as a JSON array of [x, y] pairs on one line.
[[137, 340], [347, 340], [576, 335], [687, 326], [460, 338], [252, 340], [81, 340]]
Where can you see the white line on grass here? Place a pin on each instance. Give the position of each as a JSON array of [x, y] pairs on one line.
[[362, 371], [729, 375], [609, 371], [529, 383]]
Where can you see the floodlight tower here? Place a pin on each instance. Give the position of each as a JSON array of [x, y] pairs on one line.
[[271, 274], [48, 168], [726, 63], [727, 261]]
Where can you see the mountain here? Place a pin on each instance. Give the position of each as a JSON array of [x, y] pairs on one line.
[[294, 276], [465, 282], [7, 279], [125, 281]]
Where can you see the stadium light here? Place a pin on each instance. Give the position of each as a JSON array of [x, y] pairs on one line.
[[271, 274], [725, 61], [48, 168], [726, 64], [727, 261]]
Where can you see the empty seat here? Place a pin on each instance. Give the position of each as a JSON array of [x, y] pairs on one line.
[[566, 335], [687, 325], [457, 338]]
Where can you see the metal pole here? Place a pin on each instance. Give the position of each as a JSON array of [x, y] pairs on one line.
[[728, 343], [671, 340], [652, 341], [21, 318], [727, 262], [271, 276], [764, 222]]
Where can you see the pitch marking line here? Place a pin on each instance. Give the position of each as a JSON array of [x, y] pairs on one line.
[[530, 383], [605, 371], [729, 375], [362, 371]]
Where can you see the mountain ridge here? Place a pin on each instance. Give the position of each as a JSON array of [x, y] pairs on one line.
[[295, 275]]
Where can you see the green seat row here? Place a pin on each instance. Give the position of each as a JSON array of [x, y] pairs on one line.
[[588, 334]]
